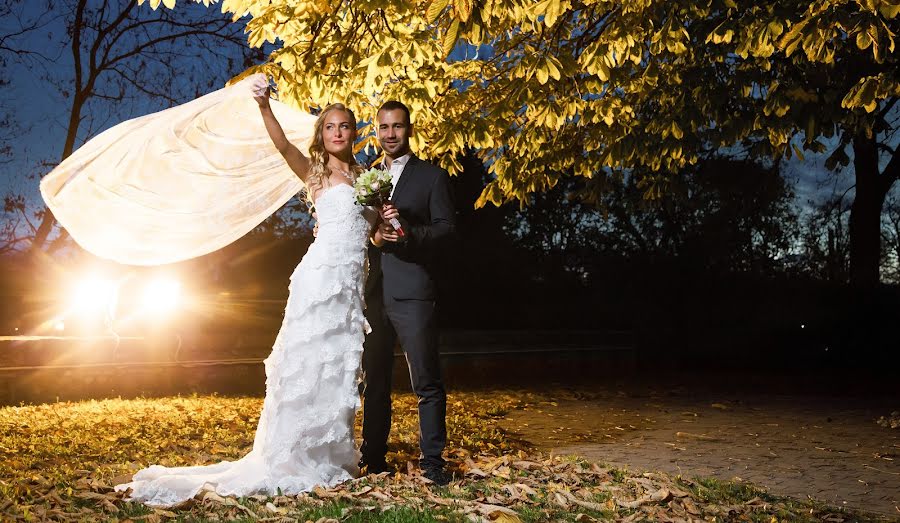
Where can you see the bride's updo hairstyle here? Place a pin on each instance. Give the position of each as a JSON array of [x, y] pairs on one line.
[[319, 172]]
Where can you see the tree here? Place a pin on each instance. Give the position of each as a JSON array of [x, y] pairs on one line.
[[833, 73], [16, 25], [722, 216], [18, 225], [891, 236], [115, 59], [604, 88], [825, 243]]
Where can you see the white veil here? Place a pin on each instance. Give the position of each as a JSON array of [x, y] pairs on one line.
[[178, 183]]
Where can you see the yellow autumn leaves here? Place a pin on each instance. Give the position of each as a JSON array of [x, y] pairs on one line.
[[60, 461], [595, 87], [171, 3]]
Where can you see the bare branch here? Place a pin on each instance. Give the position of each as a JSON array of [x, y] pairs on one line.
[[142, 53], [137, 85]]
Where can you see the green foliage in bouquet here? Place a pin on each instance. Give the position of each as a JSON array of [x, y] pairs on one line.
[[373, 187]]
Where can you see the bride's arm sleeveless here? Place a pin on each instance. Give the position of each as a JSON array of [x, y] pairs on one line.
[[292, 155]]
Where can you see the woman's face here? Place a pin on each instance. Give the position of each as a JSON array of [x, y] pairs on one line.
[[338, 132]]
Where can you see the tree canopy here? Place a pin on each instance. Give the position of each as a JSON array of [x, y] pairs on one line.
[[599, 88], [591, 86]]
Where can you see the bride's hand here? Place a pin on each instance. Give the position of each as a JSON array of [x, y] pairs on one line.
[[263, 101], [260, 89], [387, 233]]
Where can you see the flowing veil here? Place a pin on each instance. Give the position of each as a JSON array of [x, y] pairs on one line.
[[179, 183]]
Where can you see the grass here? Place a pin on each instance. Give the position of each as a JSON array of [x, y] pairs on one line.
[[59, 462]]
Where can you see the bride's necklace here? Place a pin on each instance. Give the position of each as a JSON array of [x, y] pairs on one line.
[[344, 173]]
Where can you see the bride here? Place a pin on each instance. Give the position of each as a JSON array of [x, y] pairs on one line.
[[305, 434]]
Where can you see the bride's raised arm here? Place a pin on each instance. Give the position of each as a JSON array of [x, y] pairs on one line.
[[295, 159]]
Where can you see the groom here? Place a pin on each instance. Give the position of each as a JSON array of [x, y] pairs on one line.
[[400, 297]]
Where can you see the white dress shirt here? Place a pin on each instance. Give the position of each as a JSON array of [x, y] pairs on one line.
[[396, 169]]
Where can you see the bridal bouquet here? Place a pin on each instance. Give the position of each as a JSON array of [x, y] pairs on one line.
[[373, 187]]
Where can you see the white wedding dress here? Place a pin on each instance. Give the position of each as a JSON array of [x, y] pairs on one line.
[[186, 181], [305, 434]]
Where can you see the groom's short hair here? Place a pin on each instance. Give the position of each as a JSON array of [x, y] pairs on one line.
[[393, 105]]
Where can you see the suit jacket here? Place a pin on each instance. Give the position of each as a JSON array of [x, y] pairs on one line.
[[407, 269]]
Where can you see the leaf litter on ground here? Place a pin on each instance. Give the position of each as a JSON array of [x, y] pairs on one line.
[[60, 461]]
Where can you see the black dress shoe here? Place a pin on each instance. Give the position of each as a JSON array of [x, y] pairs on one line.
[[437, 475], [376, 467]]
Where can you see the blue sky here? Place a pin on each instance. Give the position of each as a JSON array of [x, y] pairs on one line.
[[40, 110]]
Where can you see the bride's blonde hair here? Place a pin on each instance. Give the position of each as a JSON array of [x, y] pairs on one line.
[[319, 172]]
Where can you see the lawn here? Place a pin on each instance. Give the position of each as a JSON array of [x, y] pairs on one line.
[[59, 462]]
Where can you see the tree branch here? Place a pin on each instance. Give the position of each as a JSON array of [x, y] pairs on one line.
[[891, 172], [102, 34], [882, 114], [144, 90], [155, 41]]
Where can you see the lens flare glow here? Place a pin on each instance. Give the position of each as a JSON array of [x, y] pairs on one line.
[[94, 294], [161, 295]]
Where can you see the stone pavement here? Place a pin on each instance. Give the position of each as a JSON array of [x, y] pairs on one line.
[[831, 450]]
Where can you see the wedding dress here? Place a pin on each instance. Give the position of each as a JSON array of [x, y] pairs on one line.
[[305, 434], [189, 180]]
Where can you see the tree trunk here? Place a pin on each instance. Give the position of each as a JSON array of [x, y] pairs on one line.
[[78, 99], [48, 220], [865, 214]]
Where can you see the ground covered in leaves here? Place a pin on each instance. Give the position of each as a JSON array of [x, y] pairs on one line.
[[59, 462], [892, 421]]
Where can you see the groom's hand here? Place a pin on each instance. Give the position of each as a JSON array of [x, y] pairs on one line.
[[388, 211]]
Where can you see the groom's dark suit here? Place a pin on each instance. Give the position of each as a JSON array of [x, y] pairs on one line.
[[400, 302]]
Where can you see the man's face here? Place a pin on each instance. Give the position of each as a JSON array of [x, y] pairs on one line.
[[393, 132]]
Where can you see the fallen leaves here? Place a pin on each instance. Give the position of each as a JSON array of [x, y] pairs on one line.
[[61, 462], [690, 435], [890, 422]]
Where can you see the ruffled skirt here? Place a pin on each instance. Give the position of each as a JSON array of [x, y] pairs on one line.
[[305, 434]]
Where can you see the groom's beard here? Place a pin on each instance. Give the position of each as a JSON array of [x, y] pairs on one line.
[[395, 150]]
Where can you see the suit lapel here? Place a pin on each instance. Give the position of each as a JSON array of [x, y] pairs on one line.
[[405, 176]]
